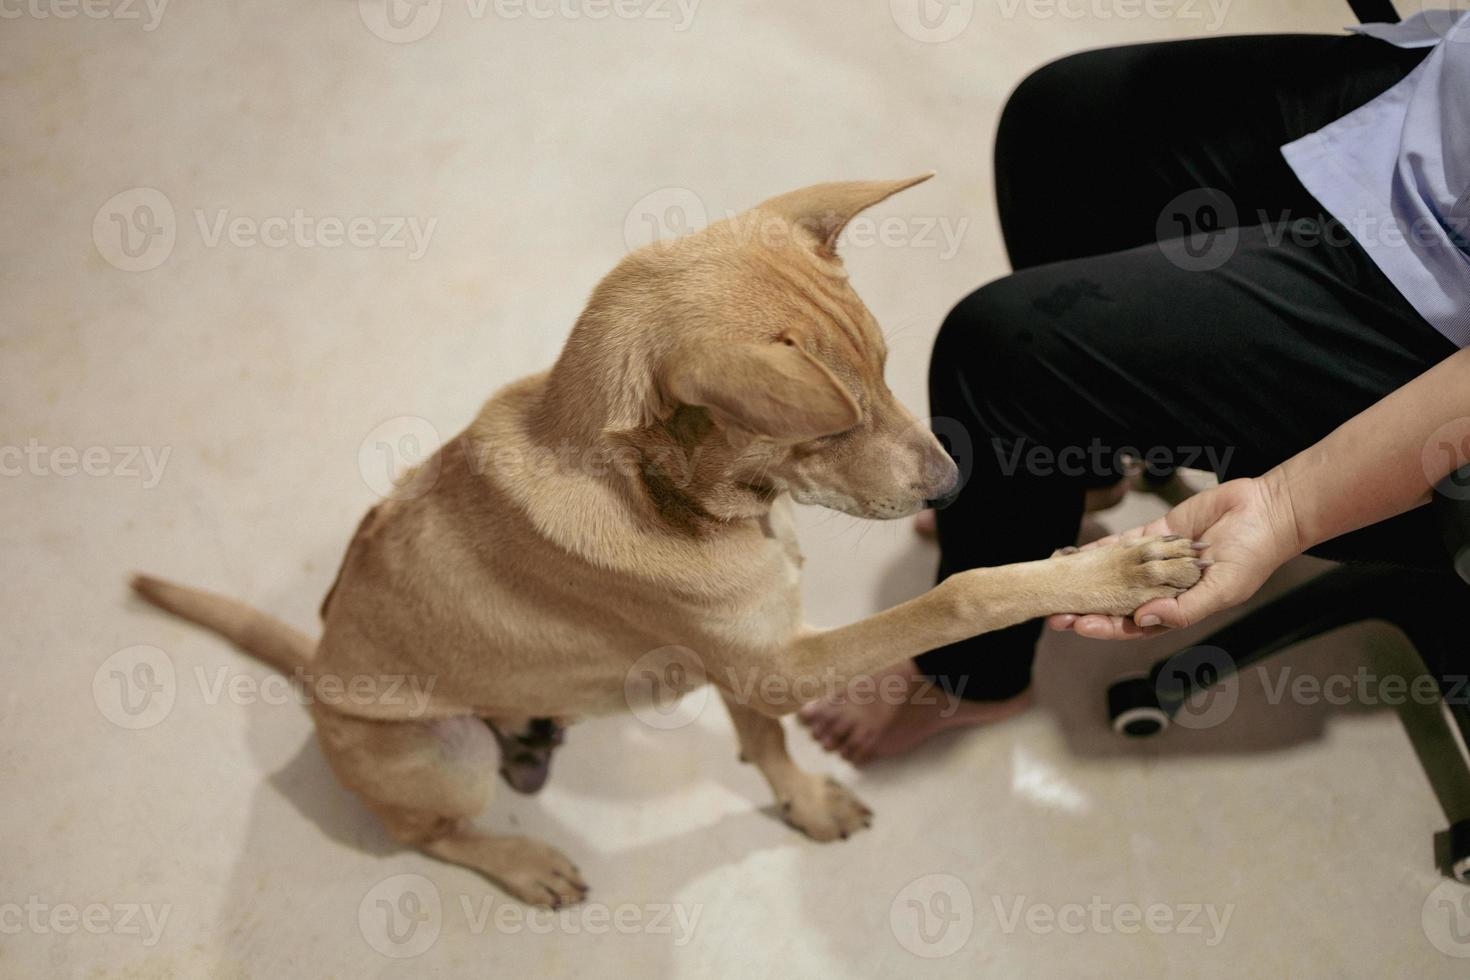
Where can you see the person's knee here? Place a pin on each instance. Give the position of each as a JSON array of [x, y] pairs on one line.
[[1082, 99], [986, 344], [1042, 109]]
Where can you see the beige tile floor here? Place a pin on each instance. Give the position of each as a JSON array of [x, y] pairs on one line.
[[249, 358]]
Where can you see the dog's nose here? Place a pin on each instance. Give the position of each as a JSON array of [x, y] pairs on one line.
[[941, 475]]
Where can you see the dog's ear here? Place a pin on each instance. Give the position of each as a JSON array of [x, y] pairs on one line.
[[823, 210], [773, 389]]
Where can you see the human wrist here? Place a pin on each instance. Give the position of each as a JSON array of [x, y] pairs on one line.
[[1287, 512]]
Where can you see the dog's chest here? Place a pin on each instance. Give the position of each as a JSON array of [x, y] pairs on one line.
[[767, 612]]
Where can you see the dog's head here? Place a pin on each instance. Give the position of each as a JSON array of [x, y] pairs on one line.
[[751, 327]]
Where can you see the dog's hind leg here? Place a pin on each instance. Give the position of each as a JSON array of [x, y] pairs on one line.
[[818, 806], [427, 780]]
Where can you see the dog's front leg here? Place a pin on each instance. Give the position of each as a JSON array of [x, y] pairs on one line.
[[1116, 580], [818, 806]]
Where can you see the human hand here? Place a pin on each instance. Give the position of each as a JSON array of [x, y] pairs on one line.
[[1249, 531]]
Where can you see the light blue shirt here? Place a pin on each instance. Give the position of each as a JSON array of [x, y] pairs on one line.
[[1396, 172]]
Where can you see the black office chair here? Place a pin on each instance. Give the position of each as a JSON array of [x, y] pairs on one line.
[[1428, 606], [1374, 11]]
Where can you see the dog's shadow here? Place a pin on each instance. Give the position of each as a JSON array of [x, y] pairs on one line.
[[644, 858]]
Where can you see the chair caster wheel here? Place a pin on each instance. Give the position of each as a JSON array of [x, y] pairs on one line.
[[1133, 706], [1460, 852]]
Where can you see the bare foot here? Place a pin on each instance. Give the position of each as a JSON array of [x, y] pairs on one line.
[[1102, 498], [894, 711]]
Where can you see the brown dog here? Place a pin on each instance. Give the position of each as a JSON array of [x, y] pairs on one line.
[[709, 382]]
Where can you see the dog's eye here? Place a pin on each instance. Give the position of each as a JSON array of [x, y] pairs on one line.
[[834, 438]]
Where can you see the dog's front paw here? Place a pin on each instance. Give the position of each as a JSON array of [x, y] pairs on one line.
[[540, 875], [824, 809], [1135, 572]]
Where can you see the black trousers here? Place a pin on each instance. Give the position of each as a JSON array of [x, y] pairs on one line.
[[1178, 296]]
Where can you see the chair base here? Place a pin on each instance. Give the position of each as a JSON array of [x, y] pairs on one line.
[[1428, 607]]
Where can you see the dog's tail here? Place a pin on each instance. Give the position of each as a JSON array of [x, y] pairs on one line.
[[257, 634]]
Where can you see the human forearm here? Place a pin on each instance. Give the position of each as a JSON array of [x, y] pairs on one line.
[[1381, 462]]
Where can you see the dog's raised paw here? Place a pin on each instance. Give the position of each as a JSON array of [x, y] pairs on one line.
[[824, 810], [1121, 577], [1157, 568]]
